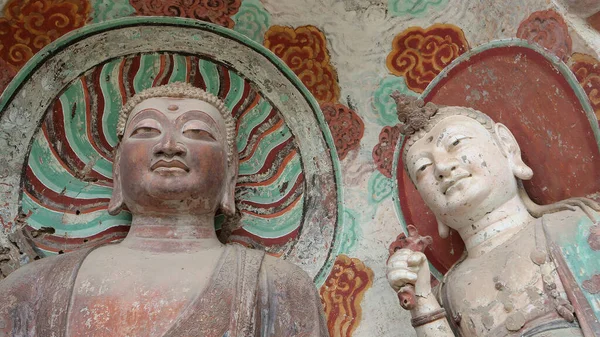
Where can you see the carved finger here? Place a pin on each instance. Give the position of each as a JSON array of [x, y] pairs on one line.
[[416, 259], [395, 283], [397, 264], [399, 277], [402, 252], [401, 255], [412, 231]]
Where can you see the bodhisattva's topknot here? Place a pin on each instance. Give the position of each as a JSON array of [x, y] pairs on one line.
[[413, 113]]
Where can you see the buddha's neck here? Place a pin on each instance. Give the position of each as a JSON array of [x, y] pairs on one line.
[[495, 228], [172, 233]]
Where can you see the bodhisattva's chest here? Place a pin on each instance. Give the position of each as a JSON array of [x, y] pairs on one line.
[[499, 287], [133, 296]]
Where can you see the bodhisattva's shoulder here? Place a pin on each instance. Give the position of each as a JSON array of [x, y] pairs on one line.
[[570, 219]]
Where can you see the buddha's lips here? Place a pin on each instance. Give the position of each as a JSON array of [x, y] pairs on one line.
[[174, 163]]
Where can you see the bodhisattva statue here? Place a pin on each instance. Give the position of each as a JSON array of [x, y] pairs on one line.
[[176, 164], [468, 169]]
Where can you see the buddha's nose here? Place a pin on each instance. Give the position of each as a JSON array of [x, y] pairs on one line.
[[170, 147]]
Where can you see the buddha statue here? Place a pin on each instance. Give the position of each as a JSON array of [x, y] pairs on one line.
[[468, 170], [175, 166]]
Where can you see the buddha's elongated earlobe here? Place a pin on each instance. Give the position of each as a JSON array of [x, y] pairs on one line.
[[443, 230], [228, 202], [511, 150], [116, 201]]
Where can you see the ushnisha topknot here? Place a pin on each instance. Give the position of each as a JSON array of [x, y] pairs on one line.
[[182, 90]]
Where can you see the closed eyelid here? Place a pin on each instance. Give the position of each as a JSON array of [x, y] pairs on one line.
[[451, 139], [200, 125], [147, 115], [419, 164], [197, 116], [199, 130], [147, 123], [196, 124]]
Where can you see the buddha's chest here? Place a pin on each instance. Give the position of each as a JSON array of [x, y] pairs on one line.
[[131, 298], [130, 309]]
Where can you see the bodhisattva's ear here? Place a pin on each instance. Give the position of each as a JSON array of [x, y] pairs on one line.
[[228, 201], [443, 230], [511, 150], [116, 201]]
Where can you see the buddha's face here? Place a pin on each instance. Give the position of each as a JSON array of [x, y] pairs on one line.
[[173, 156], [458, 169]]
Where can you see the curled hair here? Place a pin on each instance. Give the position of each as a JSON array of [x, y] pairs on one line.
[[182, 90]]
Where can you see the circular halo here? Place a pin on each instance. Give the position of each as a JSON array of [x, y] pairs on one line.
[[66, 107]]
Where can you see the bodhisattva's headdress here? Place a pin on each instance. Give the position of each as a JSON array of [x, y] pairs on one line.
[[418, 118], [182, 90]]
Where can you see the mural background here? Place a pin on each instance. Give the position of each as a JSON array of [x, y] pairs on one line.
[[351, 55]]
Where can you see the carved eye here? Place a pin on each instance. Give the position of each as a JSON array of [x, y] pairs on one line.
[[145, 132], [198, 134], [458, 140], [422, 166]]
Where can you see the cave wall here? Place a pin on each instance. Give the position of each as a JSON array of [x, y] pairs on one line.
[[350, 55]]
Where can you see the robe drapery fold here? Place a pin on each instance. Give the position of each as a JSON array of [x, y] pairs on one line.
[[250, 294]]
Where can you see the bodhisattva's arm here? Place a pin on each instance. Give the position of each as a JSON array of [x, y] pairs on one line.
[[428, 309], [407, 267]]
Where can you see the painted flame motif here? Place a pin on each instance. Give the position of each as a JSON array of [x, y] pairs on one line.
[[587, 71], [30, 25], [383, 152], [549, 30], [304, 50], [215, 11], [342, 293], [420, 54], [345, 125]]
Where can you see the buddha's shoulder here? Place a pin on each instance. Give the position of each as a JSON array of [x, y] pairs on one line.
[[24, 287], [28, 272], [31, 276]]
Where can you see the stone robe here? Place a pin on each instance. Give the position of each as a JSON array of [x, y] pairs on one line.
[[250, 294]]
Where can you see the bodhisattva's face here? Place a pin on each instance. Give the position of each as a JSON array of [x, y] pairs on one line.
[[173, 156], [459, 169]]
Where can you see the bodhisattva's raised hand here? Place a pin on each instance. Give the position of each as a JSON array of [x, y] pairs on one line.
[[408, 274], [407, 267]]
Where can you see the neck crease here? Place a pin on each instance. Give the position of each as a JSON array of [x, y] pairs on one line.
[[172, 233], [496, 227]]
